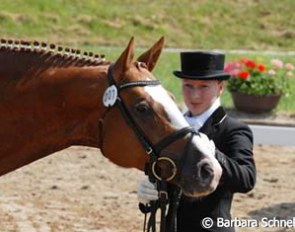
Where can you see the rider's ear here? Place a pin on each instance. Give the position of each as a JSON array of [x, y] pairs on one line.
[[151, 56], [125, 60]]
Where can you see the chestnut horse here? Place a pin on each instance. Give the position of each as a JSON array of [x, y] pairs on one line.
[[52, 98]]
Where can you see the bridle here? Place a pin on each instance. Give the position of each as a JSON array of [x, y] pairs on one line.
[[112, 98]]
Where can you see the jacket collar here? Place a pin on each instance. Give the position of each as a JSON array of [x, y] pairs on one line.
[[199, 120], [216, 118]]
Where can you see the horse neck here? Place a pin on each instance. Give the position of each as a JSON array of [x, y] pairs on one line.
[[57, 108]]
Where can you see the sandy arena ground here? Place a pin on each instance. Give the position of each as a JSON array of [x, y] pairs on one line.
[[79, 190]]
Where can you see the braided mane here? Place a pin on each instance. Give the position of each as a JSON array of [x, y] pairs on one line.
[[50, 53]]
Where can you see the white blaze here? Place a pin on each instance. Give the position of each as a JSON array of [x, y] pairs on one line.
[[160, 95]]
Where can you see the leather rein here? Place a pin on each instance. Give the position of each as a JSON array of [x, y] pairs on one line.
[[112, 98]]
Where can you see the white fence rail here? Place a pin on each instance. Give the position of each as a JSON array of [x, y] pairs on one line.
[[273, 135]]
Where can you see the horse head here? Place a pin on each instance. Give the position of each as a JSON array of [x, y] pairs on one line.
[[58, 98], [141, 118]]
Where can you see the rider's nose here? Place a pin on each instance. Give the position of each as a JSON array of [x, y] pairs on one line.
[[195, 95]]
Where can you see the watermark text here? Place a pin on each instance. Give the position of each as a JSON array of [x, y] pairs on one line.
[[264, 222]]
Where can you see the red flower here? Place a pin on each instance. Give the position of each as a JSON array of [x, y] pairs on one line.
[[250, 64], [261, 67], [243, 75]]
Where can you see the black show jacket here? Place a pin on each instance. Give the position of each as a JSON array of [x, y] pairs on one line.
[[234, 151]]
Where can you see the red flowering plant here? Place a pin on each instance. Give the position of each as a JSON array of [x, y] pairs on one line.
[[248, 76]]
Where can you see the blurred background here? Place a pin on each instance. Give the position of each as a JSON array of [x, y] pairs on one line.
[[260, 29], [199, 24]]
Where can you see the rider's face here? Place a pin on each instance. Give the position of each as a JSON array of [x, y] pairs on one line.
[[199, 95]]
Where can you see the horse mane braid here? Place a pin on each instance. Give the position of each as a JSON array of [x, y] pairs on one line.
[[74, 56]]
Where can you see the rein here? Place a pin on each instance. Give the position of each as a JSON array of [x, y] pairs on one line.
[[112, 98]]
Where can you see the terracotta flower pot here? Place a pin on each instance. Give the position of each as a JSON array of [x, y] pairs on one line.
[[250, 103]]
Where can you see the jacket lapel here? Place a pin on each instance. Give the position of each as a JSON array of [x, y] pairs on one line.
[[213, 121]]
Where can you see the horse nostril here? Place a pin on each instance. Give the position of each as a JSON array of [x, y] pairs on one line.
[[205, 172]]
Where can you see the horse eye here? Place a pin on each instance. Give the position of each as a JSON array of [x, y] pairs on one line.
[[142, 107]]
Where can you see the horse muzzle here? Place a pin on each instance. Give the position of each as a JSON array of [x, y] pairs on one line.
[[199, 174]]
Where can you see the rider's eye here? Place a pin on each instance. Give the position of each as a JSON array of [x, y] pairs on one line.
[[142, 108]]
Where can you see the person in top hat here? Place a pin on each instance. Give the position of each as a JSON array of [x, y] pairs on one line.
[[202, 76]]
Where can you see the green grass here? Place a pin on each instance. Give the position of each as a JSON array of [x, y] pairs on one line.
[[106, 26], [226, 24]]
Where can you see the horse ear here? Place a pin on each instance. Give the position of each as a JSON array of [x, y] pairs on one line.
[[151, 56], [124, 61]]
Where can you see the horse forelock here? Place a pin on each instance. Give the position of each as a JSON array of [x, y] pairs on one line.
[[43, 54]]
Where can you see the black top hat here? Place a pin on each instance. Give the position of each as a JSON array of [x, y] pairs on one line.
[[202, 66]]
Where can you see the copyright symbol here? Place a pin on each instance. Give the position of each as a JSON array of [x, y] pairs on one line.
[[207, 223]]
